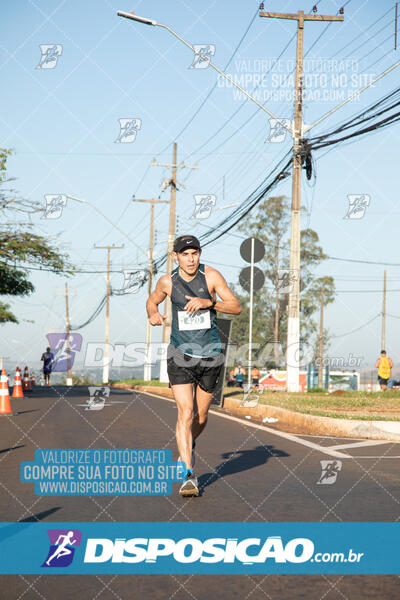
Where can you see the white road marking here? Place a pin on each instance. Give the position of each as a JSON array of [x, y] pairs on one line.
[[360, 444], [289, 436]]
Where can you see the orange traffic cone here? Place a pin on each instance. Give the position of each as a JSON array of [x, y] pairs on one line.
[[5, 406], [26, 383], [33, 379], [17, 391]]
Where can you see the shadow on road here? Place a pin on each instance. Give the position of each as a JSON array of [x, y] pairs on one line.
[[241, 460], [12, 448]]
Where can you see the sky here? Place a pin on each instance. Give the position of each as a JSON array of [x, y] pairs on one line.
[[64, 126]]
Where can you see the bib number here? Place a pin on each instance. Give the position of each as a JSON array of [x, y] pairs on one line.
[[188, 322]]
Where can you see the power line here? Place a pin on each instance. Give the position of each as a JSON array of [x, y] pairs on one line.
[[357, 329]]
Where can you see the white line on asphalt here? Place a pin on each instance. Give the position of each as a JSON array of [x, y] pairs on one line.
[[289, 436], [360, 444], [283, 434]]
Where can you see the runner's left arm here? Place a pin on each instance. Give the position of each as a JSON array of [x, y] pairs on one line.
[[228, 304]]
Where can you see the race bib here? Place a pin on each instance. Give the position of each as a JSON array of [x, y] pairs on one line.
[[196, 321]]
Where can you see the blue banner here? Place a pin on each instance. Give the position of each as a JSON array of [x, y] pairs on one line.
[[214, 548], [84, 472]]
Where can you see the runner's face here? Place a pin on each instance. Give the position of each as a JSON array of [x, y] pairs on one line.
[[189, 260]]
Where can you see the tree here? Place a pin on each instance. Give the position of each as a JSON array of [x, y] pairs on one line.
[[270, 223], [20, 247]]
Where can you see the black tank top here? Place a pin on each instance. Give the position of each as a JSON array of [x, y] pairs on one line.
[[194, 335]]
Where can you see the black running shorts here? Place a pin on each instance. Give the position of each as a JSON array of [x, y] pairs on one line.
[[183, 368], [382, 380]]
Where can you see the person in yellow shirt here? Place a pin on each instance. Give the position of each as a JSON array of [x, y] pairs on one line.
[[384, 364]]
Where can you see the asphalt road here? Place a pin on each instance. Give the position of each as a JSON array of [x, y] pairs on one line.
[[246, 473]]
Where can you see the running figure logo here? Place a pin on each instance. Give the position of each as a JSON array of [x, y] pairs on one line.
[[128, 130], [62, 547], [98, 397], [250, 397], [202, 60], [55, 204], [277, 132], [50, 55], [63, 356], [133, 281], [358, 204], [286, 280], [330, 470], [204, 203]]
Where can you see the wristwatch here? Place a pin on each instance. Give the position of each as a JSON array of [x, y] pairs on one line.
[[214, 302]]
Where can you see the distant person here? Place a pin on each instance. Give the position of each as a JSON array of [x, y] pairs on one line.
[[47, 358], [231, 378], [239, 373], [255, 376], [384, 364]]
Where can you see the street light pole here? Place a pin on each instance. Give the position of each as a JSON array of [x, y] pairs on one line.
[[108, 220], [134, 17]]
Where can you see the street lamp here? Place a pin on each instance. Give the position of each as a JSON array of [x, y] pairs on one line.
[[108, 220], [146, 21]]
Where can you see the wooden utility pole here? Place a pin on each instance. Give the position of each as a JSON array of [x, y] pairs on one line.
[[147, 364], [321, 341], [106, 368], [171, 238], [383, 346], [68, 331], [293, 334]]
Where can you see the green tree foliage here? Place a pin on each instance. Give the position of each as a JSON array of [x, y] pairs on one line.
[[20, 247], [271, 224]]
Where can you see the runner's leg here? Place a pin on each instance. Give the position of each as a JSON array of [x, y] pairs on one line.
[[183, 394], [202, 405]]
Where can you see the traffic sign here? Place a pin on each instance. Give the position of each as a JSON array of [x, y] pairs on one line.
[[244, 278], [245, 250]]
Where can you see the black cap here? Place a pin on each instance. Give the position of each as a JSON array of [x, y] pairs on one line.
[[186, 241]]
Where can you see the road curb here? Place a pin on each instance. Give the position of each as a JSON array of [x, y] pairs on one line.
[[316, 425], [309, 424]]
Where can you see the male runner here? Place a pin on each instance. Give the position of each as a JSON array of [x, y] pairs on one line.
[[194, 357], [47, 358]]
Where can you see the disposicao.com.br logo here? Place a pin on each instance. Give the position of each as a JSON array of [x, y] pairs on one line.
[[247, 551]]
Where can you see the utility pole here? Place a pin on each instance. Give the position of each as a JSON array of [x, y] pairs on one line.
[[106, 368], [171, 237], [293, 333], [383, 346], [68, 331], [147, 364], [67, 290], [321, 341]]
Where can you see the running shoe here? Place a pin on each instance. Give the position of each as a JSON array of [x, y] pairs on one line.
[[190, 487]]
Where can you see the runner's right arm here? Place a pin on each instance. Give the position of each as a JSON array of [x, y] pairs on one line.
[[155, 298]]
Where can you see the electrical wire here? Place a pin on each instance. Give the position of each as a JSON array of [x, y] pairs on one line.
[[357, 329]]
